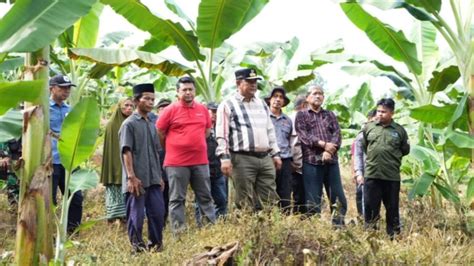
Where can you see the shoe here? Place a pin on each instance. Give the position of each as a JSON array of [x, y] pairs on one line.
[[155, 248]]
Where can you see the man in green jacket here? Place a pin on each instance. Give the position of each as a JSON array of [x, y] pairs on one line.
[[385, 143]]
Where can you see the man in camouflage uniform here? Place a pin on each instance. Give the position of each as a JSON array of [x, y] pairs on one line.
[[10, 153]]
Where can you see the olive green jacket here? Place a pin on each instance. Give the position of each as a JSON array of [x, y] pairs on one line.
[[384, 146]]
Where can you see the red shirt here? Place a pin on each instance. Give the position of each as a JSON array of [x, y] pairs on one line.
[[185, 130]]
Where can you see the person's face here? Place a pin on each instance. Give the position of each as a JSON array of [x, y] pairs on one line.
[[315, 97], [186, 92], [145, 104], [247, 87], [60, 94], [384, 115], [213, 114], [160, 109], [127, 107], [277, 100]]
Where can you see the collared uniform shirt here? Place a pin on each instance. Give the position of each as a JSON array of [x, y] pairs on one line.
[[245, 126], [385, 146], [57, 114], [140, 136], [312, 127], [283, 128]]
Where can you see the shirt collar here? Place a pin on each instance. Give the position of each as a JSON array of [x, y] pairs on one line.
[[241, 98], [137, 116], [186, 106], [282, 116], [53, 103], [392, 124], [311, 111]]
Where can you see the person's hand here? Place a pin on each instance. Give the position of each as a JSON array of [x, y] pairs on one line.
[[330, 147], [226, 167], [162, 185], [134, 185], [277, 162], [5, 163], [326, 156], [295, 166], [359, 180]]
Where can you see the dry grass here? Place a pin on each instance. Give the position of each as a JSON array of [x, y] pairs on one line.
[[428, 237]]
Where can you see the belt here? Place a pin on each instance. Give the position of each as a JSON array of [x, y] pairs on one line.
[[252, 153]]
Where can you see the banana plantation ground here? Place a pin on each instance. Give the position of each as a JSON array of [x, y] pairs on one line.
[[429, 237]]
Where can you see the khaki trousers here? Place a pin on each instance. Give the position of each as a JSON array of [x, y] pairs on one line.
[[254, 181]]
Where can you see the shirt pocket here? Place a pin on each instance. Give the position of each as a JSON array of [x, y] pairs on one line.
[[394, 139], [285, 129]]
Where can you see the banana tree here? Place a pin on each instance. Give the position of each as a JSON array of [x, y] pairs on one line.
[[279, 67], [29, 27], [459, 38], [199, 44], [429, 81]]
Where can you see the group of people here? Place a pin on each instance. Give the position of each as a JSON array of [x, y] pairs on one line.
[[271, 158]]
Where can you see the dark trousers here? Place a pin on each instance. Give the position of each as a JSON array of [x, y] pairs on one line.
[[219, 195], [75, 209], [377, 191], [166, 190], [166, 198], [297, 185], [151, 203], [314, 177], [360, 199], [283, 184]]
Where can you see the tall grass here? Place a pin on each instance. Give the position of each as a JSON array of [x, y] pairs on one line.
[[428, 237]]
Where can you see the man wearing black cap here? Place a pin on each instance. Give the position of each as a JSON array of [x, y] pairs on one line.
[[162, 103], [154, 117], [142, 180], [60, 89], [283, 128], [218, 181], [247, 144]]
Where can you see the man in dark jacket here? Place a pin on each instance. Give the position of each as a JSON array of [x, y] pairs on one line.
[[218, 180]]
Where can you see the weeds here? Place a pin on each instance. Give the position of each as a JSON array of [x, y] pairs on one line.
[[428, 237]]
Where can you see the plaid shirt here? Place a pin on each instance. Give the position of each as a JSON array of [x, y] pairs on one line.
[[314, 126]]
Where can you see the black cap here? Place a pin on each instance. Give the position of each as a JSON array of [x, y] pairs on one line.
[[144, 87], [279, 89], [246, 73], [61, 81], [163, 102], [212, 106]]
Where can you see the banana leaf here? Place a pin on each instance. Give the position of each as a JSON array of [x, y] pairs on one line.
[[442, 79], [78, 133], [86, 29], [218, 20], [11, 124], [393, 43], [18, 91], [31, 25], [141, 17], [123, 57]]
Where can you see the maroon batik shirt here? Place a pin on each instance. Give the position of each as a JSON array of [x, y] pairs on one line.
[[312, 127]]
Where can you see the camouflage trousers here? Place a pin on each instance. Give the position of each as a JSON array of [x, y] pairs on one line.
[[13, 189]]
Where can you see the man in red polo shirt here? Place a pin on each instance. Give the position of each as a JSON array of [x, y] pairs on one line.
[[183, 127]]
